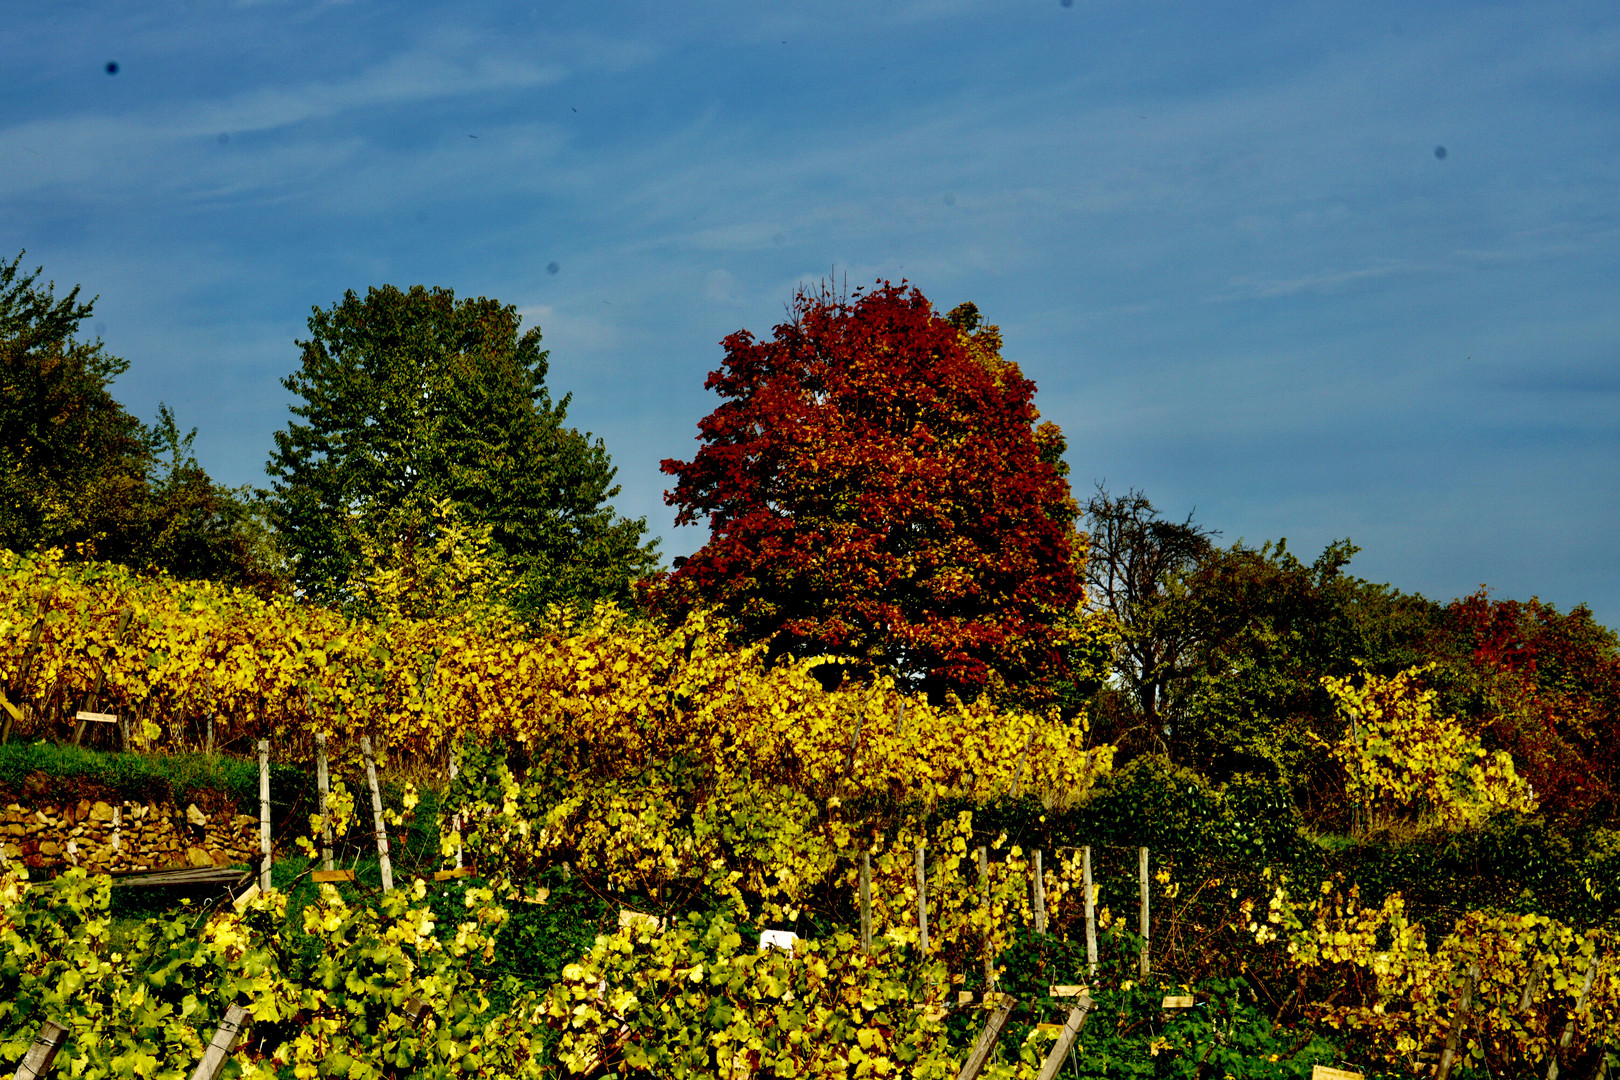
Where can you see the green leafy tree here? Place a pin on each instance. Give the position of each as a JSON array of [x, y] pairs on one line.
[[77, 470], [410, 399]]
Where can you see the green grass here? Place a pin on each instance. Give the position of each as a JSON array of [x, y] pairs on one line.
[[62, 771]]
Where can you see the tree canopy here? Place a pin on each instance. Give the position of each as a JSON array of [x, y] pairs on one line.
[[876, 487], [410, 399], [78, 471]]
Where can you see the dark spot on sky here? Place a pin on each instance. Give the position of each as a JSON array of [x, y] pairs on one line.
[[112, 67], [223, 138], [1067, 3], [1440, 152], [552, 268], [575, 108], [950, 200], [472, 136]]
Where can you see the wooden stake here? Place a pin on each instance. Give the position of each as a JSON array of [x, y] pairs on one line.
[[1038, 897], [986, 1042], [1091, 911], [25, 671], [209, 749], [40, 1055], [1023, 759], [984, 892], [264, 815], [1568, 1036], [323, 791], [1142, 879], [866, 902], [221, 1045], [455, 819], [1459, 1021], [922, 898], [1065, 1040], [377, 815], [1537, 969], [854, 742]]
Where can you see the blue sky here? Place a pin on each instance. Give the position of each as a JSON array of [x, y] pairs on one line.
[[1221, 238]]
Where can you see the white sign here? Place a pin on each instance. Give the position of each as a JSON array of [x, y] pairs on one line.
[[778, 939]]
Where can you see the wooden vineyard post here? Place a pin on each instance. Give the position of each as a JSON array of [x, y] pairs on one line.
[[922, 897], [323, 792], [221, 1045], [1537, 969], [1023, 759], [984, 900], [1038, 897], [1459, 1022], [1142, 882], [986, 1042], [264, 815], [377, 815], [866, 902], [101, 677], [1065, 1040], [209, 748], [455, 819], [1568, 1036], [43, 1051], [14, 712], [1091, 911], [854, 742]]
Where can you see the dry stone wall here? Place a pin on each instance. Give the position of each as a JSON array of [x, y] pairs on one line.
[[102, 836]]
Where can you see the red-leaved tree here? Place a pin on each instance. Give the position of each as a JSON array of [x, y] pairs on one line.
[[877, 488]]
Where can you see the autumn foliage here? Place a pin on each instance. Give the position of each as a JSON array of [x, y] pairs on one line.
[[877, 488]]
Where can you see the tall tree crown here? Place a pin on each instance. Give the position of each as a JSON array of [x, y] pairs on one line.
[[876, 486]]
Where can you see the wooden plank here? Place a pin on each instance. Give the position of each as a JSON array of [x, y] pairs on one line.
[[1178, 1001], [993, 1027], [246, 898], [324, 876], [628, 918], [1323, 1072], [96, 717], [458, 872], [1060, 991], [46, 1043], [1071, 1031], [221, 1045]]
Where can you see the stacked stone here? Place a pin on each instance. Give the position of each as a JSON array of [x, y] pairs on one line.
[[146, 836]]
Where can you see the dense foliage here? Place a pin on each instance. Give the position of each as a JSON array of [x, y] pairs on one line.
[[76, 469], [876, 486], [410, 398]]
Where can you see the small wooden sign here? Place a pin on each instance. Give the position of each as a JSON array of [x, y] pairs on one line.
[[446, 875], [416, 1011], [1178, 1001], [1068, 991], [97, 717], [246, 897], [323, 876], [1050, 1029], [1322, 1072], [784, 940]]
